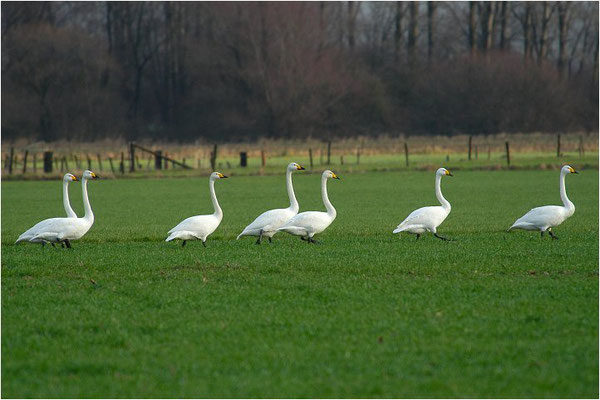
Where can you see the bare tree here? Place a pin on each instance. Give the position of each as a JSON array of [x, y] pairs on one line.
[[413, 31]]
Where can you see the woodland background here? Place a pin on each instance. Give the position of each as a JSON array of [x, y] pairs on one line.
[[171, 71]]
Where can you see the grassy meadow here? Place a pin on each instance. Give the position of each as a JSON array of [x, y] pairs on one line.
[[365, 313]]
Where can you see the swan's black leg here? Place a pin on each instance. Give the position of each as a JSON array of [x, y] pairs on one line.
[[259, 240], [270, 241], [62, 244], [183, 244], [204, 243], [552, 234], [311, 240], [67, 243], [542, 234], [441, 237], [418, 236], [304, 238]]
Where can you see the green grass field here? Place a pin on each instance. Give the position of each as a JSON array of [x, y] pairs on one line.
[[363, 314]]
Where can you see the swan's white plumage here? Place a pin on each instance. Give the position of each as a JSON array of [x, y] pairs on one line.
[[310, 223], [29, 233], [545, 217], [199, 227], [60, 229], [267, 223], [427, 219]]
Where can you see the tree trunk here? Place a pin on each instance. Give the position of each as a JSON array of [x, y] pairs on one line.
[[543, 49], [472, 28], [413, 31], [398, 29], [562, 36], [431, 6], [487, 25], [527, 32], [504, 31]]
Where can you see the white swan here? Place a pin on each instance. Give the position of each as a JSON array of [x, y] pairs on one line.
[[267, 223], [200, 226], [29, 233], [545, 218], [427, 219], [309, 223], [57, 230]]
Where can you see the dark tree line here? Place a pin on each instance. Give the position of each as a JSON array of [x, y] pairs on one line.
[[180, 71]]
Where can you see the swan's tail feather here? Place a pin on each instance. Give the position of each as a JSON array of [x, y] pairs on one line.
[[183, 235]]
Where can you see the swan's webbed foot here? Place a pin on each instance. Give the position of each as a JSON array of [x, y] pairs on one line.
[[204, 243], [183, 244], [441, 237], [552, 235], [67, 243], [311, 240]]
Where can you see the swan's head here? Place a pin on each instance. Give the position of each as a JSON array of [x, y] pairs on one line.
[[87, 174], [330, 174], [295, 167], [70, 178], [217, 175], [567, 169], [443, 172]]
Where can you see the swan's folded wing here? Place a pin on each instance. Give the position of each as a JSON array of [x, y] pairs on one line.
[[542, 216], [270, 220]]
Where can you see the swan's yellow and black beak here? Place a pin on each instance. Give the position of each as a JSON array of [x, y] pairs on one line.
[[334, 176], [299, 167], [572, 170], [221, 176], [94, 176], [74, 178], [449, 173]]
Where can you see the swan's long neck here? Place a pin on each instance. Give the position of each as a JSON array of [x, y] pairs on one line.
[[89, 215], [218, 212], [330, 210], [66, 202], [438, 193], [290, 189], [563, 193]]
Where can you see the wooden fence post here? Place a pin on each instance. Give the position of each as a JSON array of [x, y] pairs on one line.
[[476, 152], [158, 159], [131, 157], [56, 159], [341, 160], [89, 161], [34, 162], [112, 167], [263, 158], [10, 160], [47, 162], [406, 153], [310, 157], [243, 159], [165, 158], [25, 161], [213, 157], [489, 152], [507, 153], [581, 149], [558, 146], [329, 152], [99, 162], [470, 141], [77, 162], [66, 163], [357, 155], [122, 164]]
